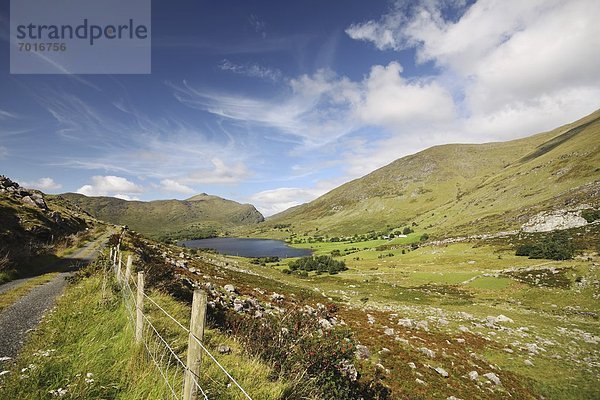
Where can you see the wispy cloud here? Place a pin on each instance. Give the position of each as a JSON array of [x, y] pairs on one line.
[[258, 25], [252, 70]]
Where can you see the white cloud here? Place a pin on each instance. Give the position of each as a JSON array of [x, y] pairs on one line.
[[507, 69], [221, 172], [111, 186], [43, 184], [3, 152], [274, 201], [125, 197], [170, 185], [252, 70], [390, 100]]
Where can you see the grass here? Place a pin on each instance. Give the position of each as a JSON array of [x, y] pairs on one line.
[[11, 296], [85, 347], [445, 281]]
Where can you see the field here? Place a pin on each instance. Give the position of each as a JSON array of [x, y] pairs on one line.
[[475, 305]]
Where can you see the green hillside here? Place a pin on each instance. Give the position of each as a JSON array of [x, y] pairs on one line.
[[199, 216], [462, 188], [33, 227]]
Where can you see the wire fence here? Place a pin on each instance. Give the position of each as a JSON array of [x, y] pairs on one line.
[[164, 347]]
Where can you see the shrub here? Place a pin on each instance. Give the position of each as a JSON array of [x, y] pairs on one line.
[[590, 215], [424, 237], [557, 246], [407, 230], [318, 263]]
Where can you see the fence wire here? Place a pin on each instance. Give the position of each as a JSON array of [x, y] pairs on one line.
[[169, 364]]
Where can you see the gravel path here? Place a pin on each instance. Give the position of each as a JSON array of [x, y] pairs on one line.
[[5, 287], [24, 315]]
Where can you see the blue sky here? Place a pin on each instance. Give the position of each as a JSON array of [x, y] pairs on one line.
[[275, 103]]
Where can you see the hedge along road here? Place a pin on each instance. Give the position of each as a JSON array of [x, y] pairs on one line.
[[24, 315]]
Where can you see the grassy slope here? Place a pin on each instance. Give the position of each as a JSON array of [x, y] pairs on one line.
[[436, 283], [87, 333], [493, 186], [197, 216], [28, 234]]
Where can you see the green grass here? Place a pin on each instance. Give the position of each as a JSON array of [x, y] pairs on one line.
[[466, 277], [90, 333]]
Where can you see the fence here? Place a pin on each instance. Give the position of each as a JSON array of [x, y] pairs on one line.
[[181, 378]]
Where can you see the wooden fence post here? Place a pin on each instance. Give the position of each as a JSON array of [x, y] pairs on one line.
[[119, 269], [194, 351], [139, 320], [128, 269]]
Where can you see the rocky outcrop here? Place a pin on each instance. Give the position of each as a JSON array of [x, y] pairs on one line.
[[29, 197], [554, 220]]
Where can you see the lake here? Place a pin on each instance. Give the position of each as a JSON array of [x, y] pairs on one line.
[[247, 247]]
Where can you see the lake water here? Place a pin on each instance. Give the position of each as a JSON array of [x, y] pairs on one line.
[[247, 247]]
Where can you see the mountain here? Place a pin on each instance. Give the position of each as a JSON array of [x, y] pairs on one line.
[[199, 216], [463, 188]]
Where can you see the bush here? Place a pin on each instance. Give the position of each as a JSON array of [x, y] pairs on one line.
[[319, 264], [590, 215], [407, 230], [424, 237], [557, 246]]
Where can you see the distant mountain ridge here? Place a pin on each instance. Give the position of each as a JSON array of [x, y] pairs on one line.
[[463, 188], [199, 216]]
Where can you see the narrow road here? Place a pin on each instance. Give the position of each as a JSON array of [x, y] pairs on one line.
[[17, 319]]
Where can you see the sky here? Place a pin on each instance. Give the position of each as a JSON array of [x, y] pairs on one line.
[[274, 103]]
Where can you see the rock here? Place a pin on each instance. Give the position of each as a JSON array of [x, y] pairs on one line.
[[452, 398], [406, 322], [389, 331], [412, 365], [528, 362], [463, 328], [229, 288], [370, 319], [429, 353], [277, 297], [548, 221], [325, 324], [460, 340], [443, 321], [401, 340], [441, 371], [492, 377], [420, 382], [385, 350], [423, 325], [362, 352], [238, 305], [503, 318], [224, 349], [473, 375]]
